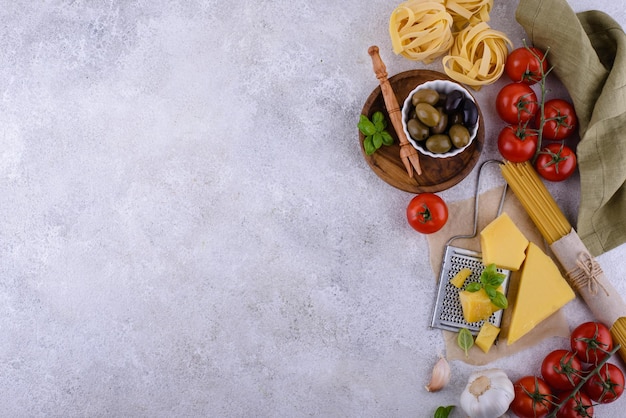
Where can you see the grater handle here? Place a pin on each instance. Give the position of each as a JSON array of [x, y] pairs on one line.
[[476, 194]]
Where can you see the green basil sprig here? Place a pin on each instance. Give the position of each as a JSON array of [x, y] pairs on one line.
[[374, 130], [490, 280]]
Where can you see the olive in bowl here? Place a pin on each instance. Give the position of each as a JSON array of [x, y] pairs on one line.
[[440, 118]]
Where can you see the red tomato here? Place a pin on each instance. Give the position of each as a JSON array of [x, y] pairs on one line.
[[578, 406], [533, 398], [562, 370], [525, 65], [516, 103], [517, 143], [560, 119], [607, 385], [427, 213], [556, 162], [591, 341]]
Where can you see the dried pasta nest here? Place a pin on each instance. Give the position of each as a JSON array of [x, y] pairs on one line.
[[478, 56], [421, 30], [469, 12]]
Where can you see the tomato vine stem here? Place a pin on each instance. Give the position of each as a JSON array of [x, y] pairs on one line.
[[584, 380], [542, 100]]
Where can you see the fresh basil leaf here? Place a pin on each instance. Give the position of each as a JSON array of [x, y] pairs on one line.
[[473, 287], [379, 125], [497, 280], [378, 117], [444, 411], [491, 277], [500, 300], [465, 340], [387, 138], [368, 145], [366, 126], [490, 269], [490, 291], [378, 140]]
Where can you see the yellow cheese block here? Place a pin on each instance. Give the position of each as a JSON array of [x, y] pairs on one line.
[[459, 279], [486, 336], [542, 291], [477, 306], [503, 244]]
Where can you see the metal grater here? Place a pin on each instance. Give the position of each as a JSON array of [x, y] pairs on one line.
[[448, 314]]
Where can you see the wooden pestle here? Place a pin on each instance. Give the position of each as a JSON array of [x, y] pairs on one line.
[[408, 154]]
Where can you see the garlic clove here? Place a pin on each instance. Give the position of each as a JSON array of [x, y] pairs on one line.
[[440, 376]]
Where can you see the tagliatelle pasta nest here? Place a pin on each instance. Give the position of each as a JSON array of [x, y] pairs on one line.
[[469, 12], [421, 30], [477, 56]]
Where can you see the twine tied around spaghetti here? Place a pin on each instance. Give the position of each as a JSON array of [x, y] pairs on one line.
[[587, 274]]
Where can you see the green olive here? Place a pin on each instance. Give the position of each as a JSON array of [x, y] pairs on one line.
[[439, 143], [417, 130], [442, 125], [429, 96], [459, 135], [427, 114]]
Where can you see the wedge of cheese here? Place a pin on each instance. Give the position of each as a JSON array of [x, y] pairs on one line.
[[542, 291], [503, 244]]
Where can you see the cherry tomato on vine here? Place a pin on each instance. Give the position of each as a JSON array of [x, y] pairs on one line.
[[578, 406], [591, 341], [562, 370], [556, 162], [525, 65], [517, 143], [533, 398], [607, 385], [427, 213], [560, 119], [516, 103]]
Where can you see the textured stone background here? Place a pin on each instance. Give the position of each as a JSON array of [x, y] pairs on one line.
[[188, 227]]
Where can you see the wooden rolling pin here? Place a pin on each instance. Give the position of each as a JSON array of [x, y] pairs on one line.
[[408, 154]]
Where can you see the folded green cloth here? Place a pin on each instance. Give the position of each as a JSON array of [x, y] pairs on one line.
[[588, 52]]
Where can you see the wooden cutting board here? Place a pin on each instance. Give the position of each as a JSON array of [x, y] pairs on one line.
[[437, 173]]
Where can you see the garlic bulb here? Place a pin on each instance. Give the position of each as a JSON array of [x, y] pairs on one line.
[[488, 394], [440, 376]]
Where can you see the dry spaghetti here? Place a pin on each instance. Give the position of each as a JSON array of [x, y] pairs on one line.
[[536, 199]]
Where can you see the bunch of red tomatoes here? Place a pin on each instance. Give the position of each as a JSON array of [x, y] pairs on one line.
[[574, 381], [536, 129]]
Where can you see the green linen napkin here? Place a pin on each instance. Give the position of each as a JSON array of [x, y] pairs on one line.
[[588, 52]]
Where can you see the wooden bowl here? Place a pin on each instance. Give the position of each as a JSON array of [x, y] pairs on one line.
[[437, 173]]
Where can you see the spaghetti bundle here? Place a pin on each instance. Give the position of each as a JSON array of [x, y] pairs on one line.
[[477, 56], [537, 200], [421, 30]]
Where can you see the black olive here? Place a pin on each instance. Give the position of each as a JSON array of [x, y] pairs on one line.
[[453, 101], [470, 113]]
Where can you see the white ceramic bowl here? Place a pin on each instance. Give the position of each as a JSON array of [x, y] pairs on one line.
[[441, 86]]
